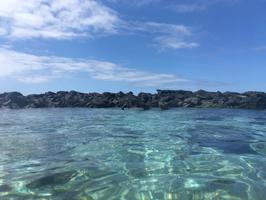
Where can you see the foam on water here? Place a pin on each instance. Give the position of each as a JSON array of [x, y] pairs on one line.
[[100, 154]]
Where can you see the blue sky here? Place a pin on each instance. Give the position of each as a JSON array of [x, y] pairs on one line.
[[132, 45]]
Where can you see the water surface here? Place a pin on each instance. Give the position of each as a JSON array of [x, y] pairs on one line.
[[110, 154]]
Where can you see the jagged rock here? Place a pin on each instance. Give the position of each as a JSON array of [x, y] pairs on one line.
[[145, 100], [13, 100], [192, 102], [164, 99], [163, 104]]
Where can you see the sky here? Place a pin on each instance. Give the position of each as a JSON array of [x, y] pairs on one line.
[[132, 45]]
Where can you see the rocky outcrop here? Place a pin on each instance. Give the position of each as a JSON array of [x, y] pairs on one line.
[[163, 99]]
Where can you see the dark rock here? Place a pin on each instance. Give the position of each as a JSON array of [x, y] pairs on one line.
[[145, 100], [163, 104], [192, 102], [51, 180], [164, 99], [203, 94], [5, 188], [13, 100]]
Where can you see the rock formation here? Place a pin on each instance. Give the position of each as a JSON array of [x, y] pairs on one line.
[[163, 99]]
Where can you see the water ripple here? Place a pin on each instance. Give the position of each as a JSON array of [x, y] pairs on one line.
[[100, 154]]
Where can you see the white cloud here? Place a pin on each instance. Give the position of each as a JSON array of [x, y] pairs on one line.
[[200, 5], [37, 79], [135, 2], [58, 19], [66, 19], [164, 35], [186, 8], [158, 28], [2, 31], [170, 42], [30, 68]]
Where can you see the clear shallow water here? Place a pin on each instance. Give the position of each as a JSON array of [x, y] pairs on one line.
[[110, 154]]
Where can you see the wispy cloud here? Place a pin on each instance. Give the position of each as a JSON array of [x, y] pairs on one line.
[[164, 35], [67, 19], [200, 5], [160, 28], [2, 31], [30, 68], [136, 3], [58, 19], [171, 42], [187, 8], [260, 48]]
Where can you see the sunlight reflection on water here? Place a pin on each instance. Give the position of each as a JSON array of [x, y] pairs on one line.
[[100, 154]]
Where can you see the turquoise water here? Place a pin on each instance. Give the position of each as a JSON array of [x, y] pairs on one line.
[[110, 154]]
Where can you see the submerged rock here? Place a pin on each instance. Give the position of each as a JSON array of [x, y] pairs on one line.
[[5, 188], [52, 180], [260, 147], [164, 99], [222, 182]]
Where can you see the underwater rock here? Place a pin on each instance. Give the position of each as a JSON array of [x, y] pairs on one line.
[[5, 188], [222, 182], [259, 147], [52, 180]]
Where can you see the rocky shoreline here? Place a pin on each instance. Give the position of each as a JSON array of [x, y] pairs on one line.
[[163, 99]]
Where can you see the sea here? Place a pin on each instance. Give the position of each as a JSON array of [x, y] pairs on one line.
[[114, 154]]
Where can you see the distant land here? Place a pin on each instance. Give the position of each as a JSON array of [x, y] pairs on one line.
[[163, 99]]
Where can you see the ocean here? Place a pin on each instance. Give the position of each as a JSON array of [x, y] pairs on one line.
[[114, 154]]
